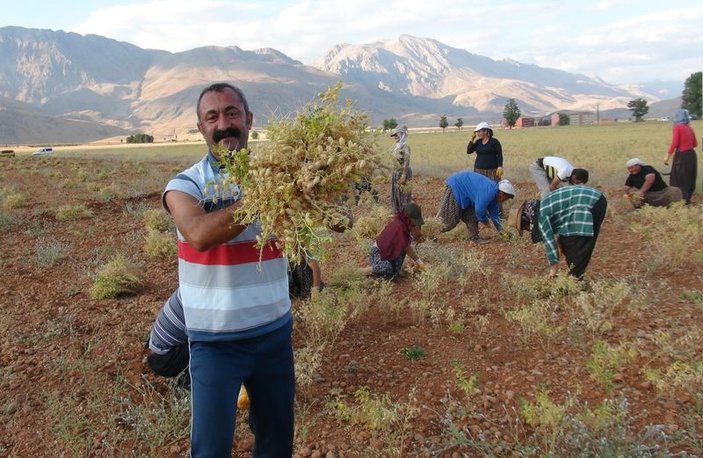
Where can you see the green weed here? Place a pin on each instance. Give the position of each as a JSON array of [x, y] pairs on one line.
[[413, 353], [160, 245], [607, 360], [49, 252], [72, 212], [117, 277]]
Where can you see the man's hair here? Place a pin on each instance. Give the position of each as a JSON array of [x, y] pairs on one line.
[[221, 87], [579, 174]]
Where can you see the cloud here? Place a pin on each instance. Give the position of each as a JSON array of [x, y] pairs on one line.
[[608, 38]]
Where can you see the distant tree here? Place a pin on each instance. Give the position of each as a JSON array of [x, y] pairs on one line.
[[691, 96], [254, 135], [511, 112], [443, 123], [564, 119], [140, 138], [459, 123], [389, 124], [638, 107]]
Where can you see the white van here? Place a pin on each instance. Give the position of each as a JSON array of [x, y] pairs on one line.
[[43, 151]]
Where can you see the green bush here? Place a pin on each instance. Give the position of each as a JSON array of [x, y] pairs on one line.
[[117, 277]]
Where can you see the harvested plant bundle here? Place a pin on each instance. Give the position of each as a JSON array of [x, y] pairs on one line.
[[297, 184]]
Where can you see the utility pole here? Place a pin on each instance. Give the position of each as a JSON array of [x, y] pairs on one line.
[[597, 114]]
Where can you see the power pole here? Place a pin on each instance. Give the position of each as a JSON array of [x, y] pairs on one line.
[[597, 114]]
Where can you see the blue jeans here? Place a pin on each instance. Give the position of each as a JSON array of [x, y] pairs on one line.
[[217, 369]]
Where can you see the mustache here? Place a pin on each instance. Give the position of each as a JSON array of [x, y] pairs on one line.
[[219, 135]]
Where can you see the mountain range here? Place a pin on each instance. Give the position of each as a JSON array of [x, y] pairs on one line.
[[64, 87]]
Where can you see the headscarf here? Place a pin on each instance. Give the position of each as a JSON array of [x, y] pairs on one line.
[[402, 133], [681, 117], [395, 237]]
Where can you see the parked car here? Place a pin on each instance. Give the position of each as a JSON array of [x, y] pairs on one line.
[[43, 151], [7, 153]]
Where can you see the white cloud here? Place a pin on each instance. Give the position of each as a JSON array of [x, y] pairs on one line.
[[606, 38]]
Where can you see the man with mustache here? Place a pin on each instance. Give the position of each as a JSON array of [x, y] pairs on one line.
[[235, 303]]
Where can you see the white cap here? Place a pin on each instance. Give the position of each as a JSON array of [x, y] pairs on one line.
[[633, 161], [482, 125], [506, 187]]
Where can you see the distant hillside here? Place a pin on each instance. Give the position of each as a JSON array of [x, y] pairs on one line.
[[70, 87], [23, 124]]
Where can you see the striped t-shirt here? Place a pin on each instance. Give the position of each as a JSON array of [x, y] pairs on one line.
[[230, 291]]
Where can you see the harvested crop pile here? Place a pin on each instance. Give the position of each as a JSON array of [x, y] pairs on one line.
[[298, 183]]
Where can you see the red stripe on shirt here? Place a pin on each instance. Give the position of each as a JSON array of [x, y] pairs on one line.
[[229, 254]]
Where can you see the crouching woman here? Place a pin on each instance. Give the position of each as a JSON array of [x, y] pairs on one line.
[[388, 251]]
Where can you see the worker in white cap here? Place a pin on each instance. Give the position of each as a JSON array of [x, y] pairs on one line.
[[645, 185], [472, 198], [489, 152]]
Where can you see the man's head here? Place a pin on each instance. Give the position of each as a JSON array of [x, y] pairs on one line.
[[223, 115], [579, 176], [634, 166], [506, 191]]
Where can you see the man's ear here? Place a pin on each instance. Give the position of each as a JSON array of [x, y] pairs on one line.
[[200, 128], [250, 119]]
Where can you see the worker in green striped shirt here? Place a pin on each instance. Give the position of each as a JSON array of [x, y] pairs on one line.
[[574, 214]]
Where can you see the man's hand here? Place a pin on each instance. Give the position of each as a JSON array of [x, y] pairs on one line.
[[552, 271], [473, 137], [402, 179], [499, 173], [666, 160]]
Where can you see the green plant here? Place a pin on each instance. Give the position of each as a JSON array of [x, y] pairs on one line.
[[13, 199], [160, 245], [694, 296], [117, 277], [467, 384], [108, 193], [669, 234], [388, 419], [413, 353], [49, 252], [606, 360], [72, 212], [157, 220]]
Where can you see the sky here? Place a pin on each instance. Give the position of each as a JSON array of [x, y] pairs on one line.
[[619, 41]]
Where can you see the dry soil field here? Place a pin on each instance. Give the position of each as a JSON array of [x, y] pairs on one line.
[[479, 356]]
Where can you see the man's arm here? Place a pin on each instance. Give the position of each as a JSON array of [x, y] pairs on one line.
[[555, 183], [201, 230], [550, 245]]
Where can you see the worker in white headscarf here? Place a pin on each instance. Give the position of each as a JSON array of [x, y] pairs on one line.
[[401, 194]]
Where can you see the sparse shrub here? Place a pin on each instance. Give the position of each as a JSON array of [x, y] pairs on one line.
[[50, 252], [158, 220], [82, 176], [72, 212], [389, 419], [669, 234], [606, 360], [537, 319], [13, 199], [370, 224], [468, 384], [108, 193], [160, 245], [6, 220], [307, 363], [117, 277]]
